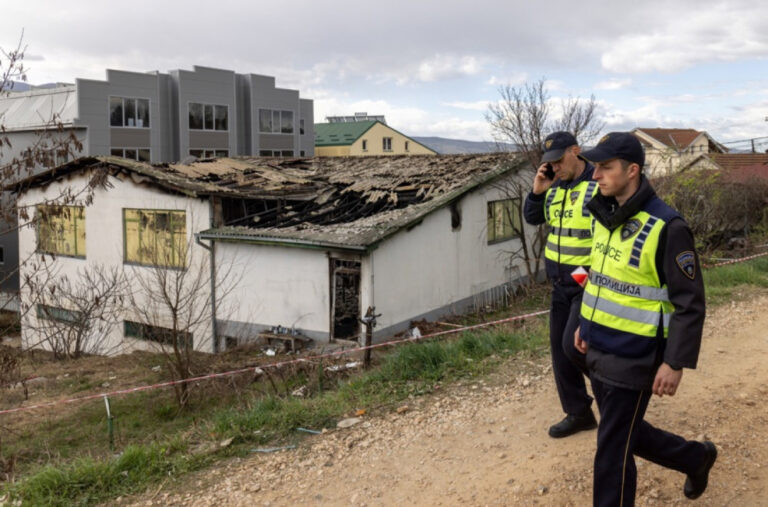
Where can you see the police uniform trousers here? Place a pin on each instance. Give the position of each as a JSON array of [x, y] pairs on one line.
[[568, 363], [623, 434]]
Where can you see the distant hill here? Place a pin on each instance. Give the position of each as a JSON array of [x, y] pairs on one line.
[[20, 86], [446, 146]]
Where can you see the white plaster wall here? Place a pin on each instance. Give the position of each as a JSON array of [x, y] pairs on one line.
[[277, 286], [432, 266], [104, 245]]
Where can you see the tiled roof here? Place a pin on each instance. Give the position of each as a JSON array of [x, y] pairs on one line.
[[342, 133], [674, 138], [729, 161]]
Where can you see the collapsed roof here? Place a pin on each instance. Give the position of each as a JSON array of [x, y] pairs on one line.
[[344, 202]]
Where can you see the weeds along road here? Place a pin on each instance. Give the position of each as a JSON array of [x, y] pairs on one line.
[[486, 443]]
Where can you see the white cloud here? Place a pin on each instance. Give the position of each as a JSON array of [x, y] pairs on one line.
[[685, 36], [443, 67], [480, 105], [613, 84], [512, 79]]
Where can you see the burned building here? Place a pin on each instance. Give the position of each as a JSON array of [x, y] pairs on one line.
[[314, 242]]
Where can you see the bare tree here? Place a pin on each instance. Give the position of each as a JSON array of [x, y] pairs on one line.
[[51, 144], [76, 316], [172, 306], [524, 117]]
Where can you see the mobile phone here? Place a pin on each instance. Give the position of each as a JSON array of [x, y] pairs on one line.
[[549, 173]]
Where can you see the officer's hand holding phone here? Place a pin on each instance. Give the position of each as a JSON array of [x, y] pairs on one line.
[[545, 176]]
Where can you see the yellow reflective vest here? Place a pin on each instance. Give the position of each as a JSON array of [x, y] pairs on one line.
[[570, 236], [624, 295]]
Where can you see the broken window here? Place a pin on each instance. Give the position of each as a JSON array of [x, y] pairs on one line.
[[503, 220], [155, 237], [162, 335], [58, 314], [345, 285], [61, 230]]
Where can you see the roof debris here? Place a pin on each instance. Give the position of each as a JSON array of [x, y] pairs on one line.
[[327, 200]]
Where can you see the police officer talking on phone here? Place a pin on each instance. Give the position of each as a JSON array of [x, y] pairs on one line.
[[562, 188]]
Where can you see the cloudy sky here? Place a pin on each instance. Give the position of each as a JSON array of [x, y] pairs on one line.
[[432, 66]]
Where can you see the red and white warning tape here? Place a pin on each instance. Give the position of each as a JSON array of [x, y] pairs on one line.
[[278, 364], [734, 261]]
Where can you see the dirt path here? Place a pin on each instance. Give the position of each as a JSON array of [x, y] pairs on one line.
[[486, 444]]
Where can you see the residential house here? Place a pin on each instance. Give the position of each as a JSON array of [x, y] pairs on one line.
[[669, 150], [305, 244], [364, 138]]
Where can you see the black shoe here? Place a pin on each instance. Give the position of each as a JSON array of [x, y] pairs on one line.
[[573, 424], [696, 483]]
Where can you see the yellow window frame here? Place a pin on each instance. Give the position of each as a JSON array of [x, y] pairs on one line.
[[61, 230], [155, 237]]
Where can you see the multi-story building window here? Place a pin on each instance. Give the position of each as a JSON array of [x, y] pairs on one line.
[[275, 122], [208, 117], [208, 153], [155, 237], [386, 143], [61, 230], [275, 153], [140, 154], [128, 112], [301, 126], [503, 220]]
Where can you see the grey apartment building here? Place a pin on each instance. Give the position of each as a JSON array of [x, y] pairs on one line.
[[157, 117]]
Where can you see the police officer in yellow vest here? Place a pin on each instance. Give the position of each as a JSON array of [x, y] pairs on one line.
[[641, 322], [562, 188]]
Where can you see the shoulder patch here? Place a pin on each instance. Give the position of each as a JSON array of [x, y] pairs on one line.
[[630, 228], [686, 261], [574, 196]]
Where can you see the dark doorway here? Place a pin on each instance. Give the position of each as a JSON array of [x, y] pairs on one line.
[[345, 291]]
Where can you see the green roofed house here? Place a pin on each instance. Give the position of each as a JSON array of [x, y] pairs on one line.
[[363, 138]]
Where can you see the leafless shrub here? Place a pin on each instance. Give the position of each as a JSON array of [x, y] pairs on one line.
[[76, 316], [716, 207], [172, 307]]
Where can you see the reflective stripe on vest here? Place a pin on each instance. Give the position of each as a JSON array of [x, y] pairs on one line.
[[572, 233], [637, 248], [642, 317], [624, 292], [591, 189], [550, 198], [569, 240]]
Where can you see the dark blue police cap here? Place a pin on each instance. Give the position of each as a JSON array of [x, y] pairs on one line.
[[623, 145], [555, 145]]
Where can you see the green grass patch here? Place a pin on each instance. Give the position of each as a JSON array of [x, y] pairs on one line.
[[725, 283]]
